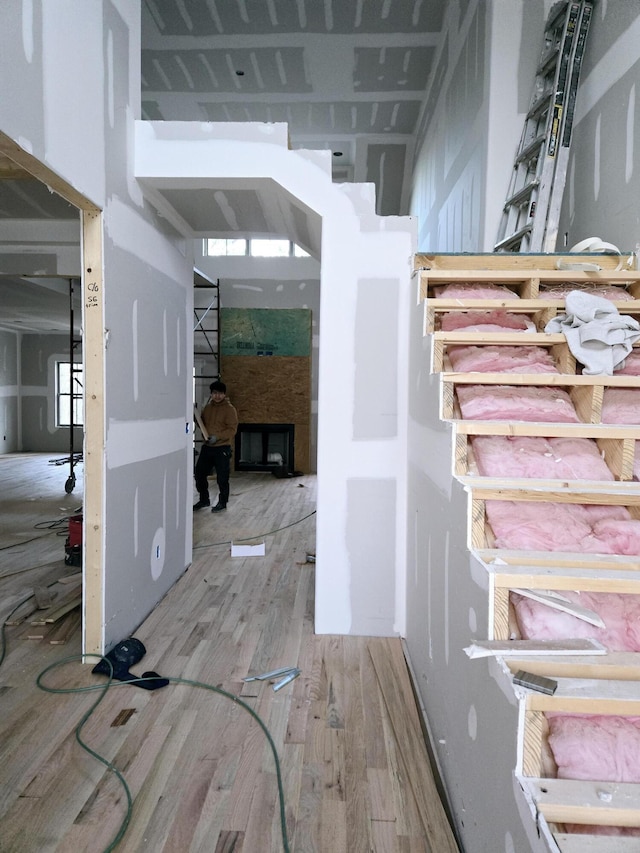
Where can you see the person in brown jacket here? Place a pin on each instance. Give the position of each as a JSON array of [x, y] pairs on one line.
[[220, 420]]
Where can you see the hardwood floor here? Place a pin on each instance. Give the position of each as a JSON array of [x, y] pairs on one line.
[[199, 768]]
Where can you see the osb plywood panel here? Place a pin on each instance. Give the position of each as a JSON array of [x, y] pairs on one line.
[[272, 390]]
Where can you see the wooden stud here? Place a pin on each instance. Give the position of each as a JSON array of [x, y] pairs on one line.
[[501, 627], [532, 737], [619, 456], [94, 439]]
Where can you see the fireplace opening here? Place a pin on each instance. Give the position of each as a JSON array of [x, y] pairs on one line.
[[265, 447]]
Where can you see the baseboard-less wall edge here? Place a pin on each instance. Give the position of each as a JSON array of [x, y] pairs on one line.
[[429, 739]]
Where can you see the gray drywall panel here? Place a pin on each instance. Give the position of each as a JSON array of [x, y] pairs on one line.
[[375, 411], [146, 512], [470, 705], [451, 146], [9, 439], [146, 350], [472, 711], [39, 430], [602, 194], [148, 364], [371, 550]]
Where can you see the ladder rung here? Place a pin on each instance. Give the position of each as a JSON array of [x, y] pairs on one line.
[[541, 104], [516, 237], [533, 148], [555, 14], [522, 194], [549, 60]]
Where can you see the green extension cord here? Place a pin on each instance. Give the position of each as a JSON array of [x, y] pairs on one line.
[[103, 688]]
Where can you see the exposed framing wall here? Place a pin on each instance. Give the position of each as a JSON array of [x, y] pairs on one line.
[[92, 289]]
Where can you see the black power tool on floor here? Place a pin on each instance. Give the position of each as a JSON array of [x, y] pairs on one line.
[[122, 657]]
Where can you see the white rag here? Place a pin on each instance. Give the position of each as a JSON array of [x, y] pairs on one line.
[[598, 335]]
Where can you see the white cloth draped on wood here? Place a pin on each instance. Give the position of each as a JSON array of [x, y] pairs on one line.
[[597, 334]]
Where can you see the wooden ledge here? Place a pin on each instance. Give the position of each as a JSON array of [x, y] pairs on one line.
[[499, 338], [576, 578], [558, 560], [541, 379], [592, 803], [548, 430], [614, 492], [618, 666], [574, 843]]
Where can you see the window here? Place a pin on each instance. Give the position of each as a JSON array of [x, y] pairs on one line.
[[69, 391], [266, 247], [270, 248], [225, 248]]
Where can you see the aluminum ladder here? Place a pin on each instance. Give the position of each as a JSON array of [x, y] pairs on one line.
[[531, 211]]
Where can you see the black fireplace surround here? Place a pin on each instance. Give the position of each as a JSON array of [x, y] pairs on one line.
[[265, 447]]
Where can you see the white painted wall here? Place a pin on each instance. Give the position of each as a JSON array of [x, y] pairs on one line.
[[365, 277]]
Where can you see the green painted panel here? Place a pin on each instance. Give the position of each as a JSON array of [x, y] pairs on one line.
[[265, 331]]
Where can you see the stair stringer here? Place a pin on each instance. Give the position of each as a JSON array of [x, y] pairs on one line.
[[501, 568]]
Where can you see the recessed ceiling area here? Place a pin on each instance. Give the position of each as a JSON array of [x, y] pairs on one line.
[[344, 75]]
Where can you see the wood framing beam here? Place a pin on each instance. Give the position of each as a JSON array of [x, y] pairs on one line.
[[509, 265], [94, 439], [26, 162], [593, 803]]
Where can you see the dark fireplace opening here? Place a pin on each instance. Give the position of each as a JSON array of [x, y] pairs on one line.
[[265, 447]]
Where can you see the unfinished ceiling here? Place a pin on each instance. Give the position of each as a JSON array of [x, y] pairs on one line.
[[349, 76]]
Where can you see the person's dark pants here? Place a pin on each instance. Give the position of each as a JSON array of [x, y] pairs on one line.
[[210, 458]]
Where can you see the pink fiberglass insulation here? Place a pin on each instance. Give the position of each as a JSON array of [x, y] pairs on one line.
[[545, 458], [630, 366], [598, 748], [474, 290], [620, 614], [485, 321], [583, 829], [621, 406], [501, 359], [510, 403], [546, 526], [606, 291]]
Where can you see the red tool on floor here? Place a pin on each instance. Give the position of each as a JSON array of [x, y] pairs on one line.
[[73, 542]]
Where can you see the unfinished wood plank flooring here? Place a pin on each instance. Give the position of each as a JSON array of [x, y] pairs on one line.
[[201, 774]]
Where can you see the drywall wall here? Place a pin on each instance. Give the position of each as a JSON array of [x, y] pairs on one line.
[[470, 706], [365, 271], [40, 432], [72, 68], [9, 392], [467, 137], [40, 246], [602, 194]]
